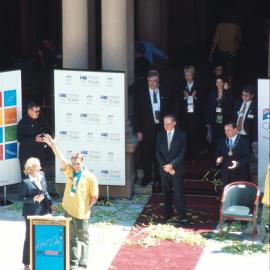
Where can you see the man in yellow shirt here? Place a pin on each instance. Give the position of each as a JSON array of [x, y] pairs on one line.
[[81, 193], [266, 208]]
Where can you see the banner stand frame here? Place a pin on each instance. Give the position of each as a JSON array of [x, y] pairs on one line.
[[5, 195], [108, 192]]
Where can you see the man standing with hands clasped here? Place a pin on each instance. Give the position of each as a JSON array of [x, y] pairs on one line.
[[81, 193], [170, 151], [233, 155]]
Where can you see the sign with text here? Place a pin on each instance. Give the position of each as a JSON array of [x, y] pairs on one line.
[[49, 242], [90, 119], [10, 114], [263, 129]]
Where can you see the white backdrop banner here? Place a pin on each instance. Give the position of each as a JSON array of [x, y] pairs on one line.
[[263, 129], [10, 114], [90, 119]]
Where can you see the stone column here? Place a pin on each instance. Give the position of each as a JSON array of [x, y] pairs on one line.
[[92, 58], [118, 36], [118, 55], [152, 21], [75, 33]]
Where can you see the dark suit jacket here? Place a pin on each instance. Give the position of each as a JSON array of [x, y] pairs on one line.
[[27, 131], [144, 119], [241, 154], [28, 191], [250, 121], [226, 105], [180, 106], [175, 155]]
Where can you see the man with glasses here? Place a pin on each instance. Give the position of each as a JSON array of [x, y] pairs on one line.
[[30, 131], [81, 193], [170, 152], [152, 102], [245, 115]]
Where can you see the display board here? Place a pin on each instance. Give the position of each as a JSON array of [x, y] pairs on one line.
[[49, 242], [90, 119], [10, 114], [263, 129]]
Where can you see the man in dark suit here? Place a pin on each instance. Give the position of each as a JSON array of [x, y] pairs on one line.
[[151, 104], [170, 151], [245, 115], [233, 154]]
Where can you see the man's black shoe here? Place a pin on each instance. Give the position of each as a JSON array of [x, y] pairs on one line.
[[183, 222]]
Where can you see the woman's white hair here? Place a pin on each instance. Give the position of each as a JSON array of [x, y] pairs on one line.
[[190, 69]]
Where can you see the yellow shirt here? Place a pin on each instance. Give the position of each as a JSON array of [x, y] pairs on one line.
[[266, 197], [78, 206], [227, 37]]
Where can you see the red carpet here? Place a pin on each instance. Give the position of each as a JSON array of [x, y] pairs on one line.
[[167, 256], [202, 211], [193, 175], [202, 216]]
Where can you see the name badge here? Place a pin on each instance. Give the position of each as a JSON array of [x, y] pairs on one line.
[[72, 194], [190, 104], [218, 109], [251, 116], [219, 119]]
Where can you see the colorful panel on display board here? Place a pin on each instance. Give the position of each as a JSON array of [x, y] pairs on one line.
[[10, 115], [8, 124]]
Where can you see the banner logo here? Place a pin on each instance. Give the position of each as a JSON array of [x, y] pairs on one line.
[[266, 114]]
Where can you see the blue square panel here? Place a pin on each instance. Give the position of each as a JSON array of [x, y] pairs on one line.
[[1, 135], [10, 98], [10, 150]]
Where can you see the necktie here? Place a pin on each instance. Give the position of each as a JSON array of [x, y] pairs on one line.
[[230, 142], [155, 97], [241, 118], [169, 138]]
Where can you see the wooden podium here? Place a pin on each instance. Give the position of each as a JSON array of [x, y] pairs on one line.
[[49, 242]]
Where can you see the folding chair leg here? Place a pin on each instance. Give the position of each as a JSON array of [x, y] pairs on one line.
[[220, 226], [254, 230]]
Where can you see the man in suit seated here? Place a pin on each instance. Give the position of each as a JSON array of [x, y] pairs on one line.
[[233, 155], [151, 104], [245, 115], [170, 152]]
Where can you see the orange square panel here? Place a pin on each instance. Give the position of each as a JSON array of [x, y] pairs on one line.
[[10, 116], [1, 118]]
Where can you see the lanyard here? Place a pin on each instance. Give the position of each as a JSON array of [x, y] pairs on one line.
[[231, 147], [78, 176]]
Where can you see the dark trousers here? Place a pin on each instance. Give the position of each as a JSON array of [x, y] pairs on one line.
[[149, 158], [176, 182], [26, 246]]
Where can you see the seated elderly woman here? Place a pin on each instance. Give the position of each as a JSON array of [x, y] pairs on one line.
[[36, 199]]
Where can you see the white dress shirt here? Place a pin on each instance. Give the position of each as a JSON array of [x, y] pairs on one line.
[[155, 106], [36, 180], [232, 139], [171, 132], [190, 86], [242, 131]]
